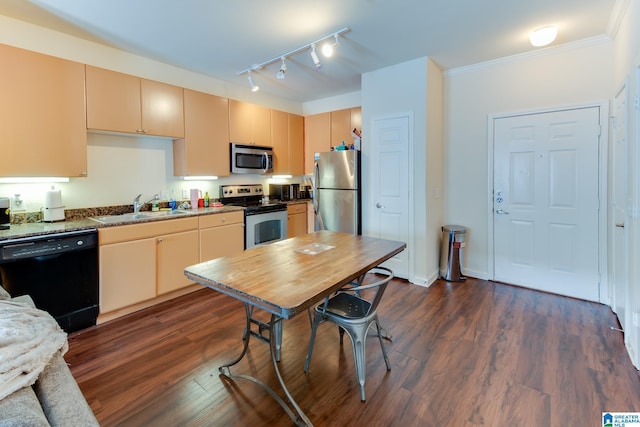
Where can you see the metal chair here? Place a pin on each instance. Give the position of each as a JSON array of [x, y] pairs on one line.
[[355, 315]]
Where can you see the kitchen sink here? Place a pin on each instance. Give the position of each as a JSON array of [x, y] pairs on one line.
[[137, 216], [164, 213]]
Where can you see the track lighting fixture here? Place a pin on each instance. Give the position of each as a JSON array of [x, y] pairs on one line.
[[314, 56], [254, 86], [283, 69], [327, 50]]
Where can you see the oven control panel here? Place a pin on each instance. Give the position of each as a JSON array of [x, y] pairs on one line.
[[231, 191]]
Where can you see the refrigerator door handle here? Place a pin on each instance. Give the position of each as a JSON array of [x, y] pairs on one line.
[[316, 195]]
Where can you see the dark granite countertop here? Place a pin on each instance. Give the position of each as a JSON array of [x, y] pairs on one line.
[[32, 229]]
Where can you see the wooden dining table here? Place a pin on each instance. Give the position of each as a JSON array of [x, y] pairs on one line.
[[286, 278]]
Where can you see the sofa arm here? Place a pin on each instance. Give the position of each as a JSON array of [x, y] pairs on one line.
[[62, 401]]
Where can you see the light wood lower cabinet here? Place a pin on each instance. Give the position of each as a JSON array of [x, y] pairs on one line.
[[141, 261], [221, 235], [297, 215], [127, 273], [174, 253]]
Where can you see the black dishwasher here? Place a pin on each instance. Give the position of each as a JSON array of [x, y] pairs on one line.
[[58, 271]]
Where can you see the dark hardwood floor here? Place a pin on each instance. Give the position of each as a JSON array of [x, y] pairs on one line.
[[475, 353]]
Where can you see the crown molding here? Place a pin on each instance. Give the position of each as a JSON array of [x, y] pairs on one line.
[[547, 51]]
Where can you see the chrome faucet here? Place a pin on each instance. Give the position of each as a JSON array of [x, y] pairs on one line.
[[137, 205]]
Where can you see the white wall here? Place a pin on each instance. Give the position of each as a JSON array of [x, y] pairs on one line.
[[400, 89], [567, 75]]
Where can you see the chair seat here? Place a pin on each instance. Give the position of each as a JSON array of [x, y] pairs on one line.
[[346, 305]]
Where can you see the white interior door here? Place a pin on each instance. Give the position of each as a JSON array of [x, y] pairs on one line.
[[619, 200], [546, 201], [390, 186]]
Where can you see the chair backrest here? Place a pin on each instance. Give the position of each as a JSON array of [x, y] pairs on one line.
[[379, 285]]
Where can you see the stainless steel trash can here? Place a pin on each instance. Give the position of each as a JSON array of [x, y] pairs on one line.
[[453, 242]]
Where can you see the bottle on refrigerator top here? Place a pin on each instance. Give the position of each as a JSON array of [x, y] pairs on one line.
[[206, 199]]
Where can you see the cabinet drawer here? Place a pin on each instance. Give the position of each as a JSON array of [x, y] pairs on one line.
[[297, 208], [131, 232], [216, 220]]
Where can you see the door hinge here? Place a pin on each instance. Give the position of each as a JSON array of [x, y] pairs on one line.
[[636, 102]]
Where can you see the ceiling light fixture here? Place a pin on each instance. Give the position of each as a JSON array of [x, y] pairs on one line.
[[543, 36], [283, 68], [314, 56], [254, 86], [328, 48]]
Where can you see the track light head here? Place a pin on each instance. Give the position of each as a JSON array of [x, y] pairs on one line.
[[328, 47], [314, 56], [282, 71], [254, 86]]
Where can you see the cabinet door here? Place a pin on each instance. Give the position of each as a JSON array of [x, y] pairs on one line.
[[341, 127], [162, 109], [296, 145], [42, 115], [204, 150], [356, 118], [127, 273], [240, 118], [113, 101], [297, 224], [317, 138], [280, 141], [261, 125], [174, 253], [225, 240]]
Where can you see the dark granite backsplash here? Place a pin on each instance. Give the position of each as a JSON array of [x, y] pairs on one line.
[[75, 214]]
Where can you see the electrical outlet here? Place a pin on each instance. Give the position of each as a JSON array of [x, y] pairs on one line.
[[18, 204], [634, 319]]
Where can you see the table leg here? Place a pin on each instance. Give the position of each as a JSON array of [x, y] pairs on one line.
[[275, 331]]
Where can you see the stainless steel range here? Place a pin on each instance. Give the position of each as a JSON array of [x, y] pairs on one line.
[[264, 223]]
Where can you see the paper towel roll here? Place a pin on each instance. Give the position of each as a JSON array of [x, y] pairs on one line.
[[53, 199]]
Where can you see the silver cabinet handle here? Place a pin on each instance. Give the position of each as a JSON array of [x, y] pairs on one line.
[[501, 212], [379, 206]]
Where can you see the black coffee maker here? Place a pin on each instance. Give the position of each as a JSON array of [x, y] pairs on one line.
[[5, 217]]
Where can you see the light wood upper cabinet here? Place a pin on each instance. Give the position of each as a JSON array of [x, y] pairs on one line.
[[317, 138], [342, 124], [249, 123], [119, 102], [296, 145], [287, 136], [326, 130], [42, 129], [280, 141], [204, 150]]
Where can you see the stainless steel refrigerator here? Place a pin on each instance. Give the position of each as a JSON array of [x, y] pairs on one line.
[[336, 193]]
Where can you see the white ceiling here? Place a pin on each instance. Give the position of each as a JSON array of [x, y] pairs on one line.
[[220, 38]]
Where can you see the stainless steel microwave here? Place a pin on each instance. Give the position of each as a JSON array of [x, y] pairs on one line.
[[251, 159]]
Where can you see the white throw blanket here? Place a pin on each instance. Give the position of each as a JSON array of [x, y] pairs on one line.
[[28, 340]]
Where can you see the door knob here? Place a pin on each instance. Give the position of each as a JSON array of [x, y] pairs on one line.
[[502, 212], [379, 206]]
